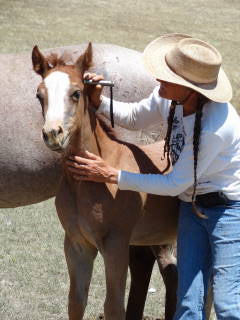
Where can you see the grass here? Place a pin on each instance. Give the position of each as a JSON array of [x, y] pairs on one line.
[[133, 24], [33, 277]]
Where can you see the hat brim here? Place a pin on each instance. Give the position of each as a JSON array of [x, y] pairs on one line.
[[154, 61]]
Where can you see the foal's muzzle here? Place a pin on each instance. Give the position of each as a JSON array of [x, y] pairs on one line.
[[54, 138]]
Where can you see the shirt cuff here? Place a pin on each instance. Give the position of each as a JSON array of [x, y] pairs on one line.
[[126, 180]]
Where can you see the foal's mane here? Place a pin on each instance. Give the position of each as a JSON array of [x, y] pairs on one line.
[[145, 164], [110, 132], [55, 60]]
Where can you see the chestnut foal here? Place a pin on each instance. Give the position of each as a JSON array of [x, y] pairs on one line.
[[96, 216]]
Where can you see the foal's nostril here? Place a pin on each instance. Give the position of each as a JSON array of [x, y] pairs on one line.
[[45, 136], [60, 130], [51, 134], [56, 132]]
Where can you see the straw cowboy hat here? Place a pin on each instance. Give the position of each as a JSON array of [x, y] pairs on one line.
[[181, 59]]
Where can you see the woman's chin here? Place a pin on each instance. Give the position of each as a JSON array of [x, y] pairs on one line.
[[162, 93]]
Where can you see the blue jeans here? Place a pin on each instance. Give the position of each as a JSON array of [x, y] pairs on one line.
[[209, 248]]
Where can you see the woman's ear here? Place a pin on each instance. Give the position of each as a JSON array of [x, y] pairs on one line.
[[40, 63], [84, 62]]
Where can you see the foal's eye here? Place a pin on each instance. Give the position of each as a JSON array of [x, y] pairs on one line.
[[76, 95]]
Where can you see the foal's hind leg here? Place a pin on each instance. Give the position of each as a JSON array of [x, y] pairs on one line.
[[80, 260], [116, 255], [141, 261], [167, 266]]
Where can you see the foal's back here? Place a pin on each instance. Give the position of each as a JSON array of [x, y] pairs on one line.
[[157, 216]]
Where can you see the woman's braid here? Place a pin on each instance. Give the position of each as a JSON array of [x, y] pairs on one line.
[[168, 134], [196, 142]]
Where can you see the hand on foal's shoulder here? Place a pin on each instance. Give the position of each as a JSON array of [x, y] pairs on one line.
[[90, 167]]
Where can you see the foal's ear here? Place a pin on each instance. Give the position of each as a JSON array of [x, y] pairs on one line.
[[84, 62], [40, 63]]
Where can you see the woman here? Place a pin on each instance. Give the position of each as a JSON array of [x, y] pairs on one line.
[[203, 141]]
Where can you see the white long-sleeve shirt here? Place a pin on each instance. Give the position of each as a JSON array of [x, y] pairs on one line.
[[218, 165]]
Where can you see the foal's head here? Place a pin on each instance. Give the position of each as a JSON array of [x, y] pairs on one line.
[[59, 93]]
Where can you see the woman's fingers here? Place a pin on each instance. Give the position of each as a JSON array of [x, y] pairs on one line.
[[74, 164], [88, 75], [94, 91], [90, 155], [91, 167], [84, 174], [78, 171], [86, 156], [93, 76], [98, 77]]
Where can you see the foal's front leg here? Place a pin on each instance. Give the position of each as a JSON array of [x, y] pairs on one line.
[[80, 260], [116, 256], [79, 253]]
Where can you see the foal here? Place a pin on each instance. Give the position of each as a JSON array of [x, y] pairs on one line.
[[96, 216]]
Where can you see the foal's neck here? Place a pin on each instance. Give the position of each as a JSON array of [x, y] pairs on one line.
[[90, 136]]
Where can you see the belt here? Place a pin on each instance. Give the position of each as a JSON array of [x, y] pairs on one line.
[[212, 199]]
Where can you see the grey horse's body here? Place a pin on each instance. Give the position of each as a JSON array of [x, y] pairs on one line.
[[29, 172]]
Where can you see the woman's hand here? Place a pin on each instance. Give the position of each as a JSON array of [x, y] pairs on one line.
[[94, 91], [90, 167]]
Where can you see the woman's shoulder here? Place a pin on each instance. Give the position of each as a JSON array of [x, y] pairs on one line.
[[221, 119], [162, 103]]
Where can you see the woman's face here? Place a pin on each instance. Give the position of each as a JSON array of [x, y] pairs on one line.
[[173, 91]]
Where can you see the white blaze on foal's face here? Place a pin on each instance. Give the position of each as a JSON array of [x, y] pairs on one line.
[[59, 93], [59, 108]]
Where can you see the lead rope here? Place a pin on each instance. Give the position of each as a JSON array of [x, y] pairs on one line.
[[111, 107]]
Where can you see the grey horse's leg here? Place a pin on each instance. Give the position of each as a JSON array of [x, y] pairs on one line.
[[141, 261], [80, 264], [167, 266]]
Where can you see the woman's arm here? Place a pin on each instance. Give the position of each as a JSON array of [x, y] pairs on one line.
[[182, 175], [138, 115], [90, 167], [133, 116]]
